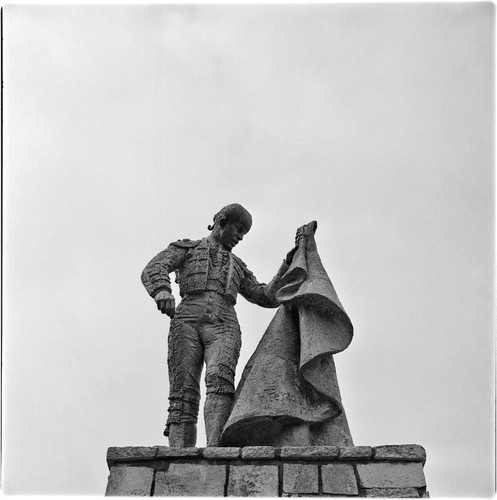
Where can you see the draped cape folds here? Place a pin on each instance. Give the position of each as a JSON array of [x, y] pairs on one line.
[[288, 391]]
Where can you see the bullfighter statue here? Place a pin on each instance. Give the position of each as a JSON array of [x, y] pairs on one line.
[[204, 327]]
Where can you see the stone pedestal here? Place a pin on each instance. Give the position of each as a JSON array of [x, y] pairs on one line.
[[382, 471]]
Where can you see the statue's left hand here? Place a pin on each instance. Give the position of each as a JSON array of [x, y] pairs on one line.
[[306, 231]]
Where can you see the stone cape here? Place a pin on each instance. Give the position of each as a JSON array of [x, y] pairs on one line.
[[288, 394]]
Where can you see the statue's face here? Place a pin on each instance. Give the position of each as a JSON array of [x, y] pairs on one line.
[[231, 234]]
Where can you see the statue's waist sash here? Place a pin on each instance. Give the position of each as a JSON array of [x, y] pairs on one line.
[[208, 296]]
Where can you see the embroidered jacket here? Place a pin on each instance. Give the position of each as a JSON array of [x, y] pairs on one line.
[[201, 266]]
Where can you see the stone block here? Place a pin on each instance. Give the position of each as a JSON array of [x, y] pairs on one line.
[[391, 492], [306, 452], [192, 480], [388, 475], [258, 453], [166, 452], [390, 471], [221, 453], [411, 452], [356, 452], [300, 478], [128, 481], [129, 454], [253, 481], [339, 479]]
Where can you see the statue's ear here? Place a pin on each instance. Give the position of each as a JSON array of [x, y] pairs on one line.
[[223, 223]]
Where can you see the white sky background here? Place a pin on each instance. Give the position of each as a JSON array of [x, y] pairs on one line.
[[127, 127]]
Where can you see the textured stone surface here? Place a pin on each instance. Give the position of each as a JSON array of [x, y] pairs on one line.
[[130, 481], [391, 492], [411, 452], [258, 453], [387, 475], [267, 471], [166, 452], [355, 452], [191, 480], [306, 452], [219, 453], [129, 453], [253, 481], [339, 479], [300, 478]]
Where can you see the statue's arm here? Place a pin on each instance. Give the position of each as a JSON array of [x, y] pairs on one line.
[[155, 276], [260, 293]]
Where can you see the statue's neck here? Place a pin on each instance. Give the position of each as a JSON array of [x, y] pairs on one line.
[[214, 240]]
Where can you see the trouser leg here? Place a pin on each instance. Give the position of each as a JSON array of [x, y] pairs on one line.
[[217, 409], [222, 349], [185, 359], [183, 435]]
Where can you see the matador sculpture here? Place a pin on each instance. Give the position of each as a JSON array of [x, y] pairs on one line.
[[204, 326]]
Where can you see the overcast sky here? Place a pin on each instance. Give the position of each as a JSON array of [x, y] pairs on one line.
[[128, 127]]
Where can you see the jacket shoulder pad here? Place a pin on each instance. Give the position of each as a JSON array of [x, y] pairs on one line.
[[185, 243]]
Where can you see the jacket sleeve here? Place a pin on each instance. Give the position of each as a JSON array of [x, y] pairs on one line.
[[260, 293], [155, 276]]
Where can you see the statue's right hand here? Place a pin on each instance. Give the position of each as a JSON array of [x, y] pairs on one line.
[[165, 303]]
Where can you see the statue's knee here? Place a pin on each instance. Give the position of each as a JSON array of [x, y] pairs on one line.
[[215, 383], [212, 381], [220, 378]]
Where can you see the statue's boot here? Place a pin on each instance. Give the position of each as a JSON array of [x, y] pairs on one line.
[[183, 435], [217, 409]]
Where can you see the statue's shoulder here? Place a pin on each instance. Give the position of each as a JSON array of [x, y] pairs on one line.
[[240, 262], [186, 243]]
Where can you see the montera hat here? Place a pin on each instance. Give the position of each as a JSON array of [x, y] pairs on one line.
[[234, 213]]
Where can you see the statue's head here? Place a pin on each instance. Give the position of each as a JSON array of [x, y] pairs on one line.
[[231, 224]]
